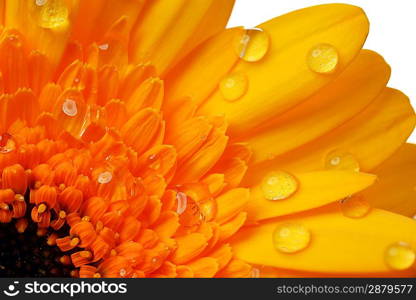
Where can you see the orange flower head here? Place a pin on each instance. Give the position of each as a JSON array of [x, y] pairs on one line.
[[140, 138]]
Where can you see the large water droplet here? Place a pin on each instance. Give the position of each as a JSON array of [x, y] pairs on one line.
[[234, 86], [355, 207], [278, 185], [252, 46], [182, 200], [105, 177], [400, 256], [323, 59], [291, 238], [341, 160], [52, 14], [69, 107]]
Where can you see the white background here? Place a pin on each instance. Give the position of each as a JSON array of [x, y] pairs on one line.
[[392, 31]]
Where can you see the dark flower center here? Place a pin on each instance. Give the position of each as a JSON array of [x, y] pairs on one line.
[[28, 254]]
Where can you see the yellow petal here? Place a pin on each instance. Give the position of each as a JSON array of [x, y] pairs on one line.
[[315, 189], [204, 159], [369, 138], [200, 72], [189, 136], [167, 224], [270, 272], [95, 17], [141, 129], [231, 203], [2, 9], [338, 244], [223, 255], [189, 247], [47, 27], [282, 78], [235, 269], [204, 267], [396, 188], [338, 102], [168, 30], [149, 94], [229, 228], [14, 64]]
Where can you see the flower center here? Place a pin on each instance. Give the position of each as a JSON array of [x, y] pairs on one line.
[[27, 251]]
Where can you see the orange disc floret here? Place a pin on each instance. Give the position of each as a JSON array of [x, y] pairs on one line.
[[15, 178]]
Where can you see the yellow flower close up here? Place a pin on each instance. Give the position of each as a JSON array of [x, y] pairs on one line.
[[141, 138]]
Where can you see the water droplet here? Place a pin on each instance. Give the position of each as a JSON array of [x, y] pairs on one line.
[[52, 14], [105, 177], [155, 164], [104, 47], [253, 45], [7, 144], [234, 86], [323, 59], [341, 160], [279, 185], [291, 238], [123, 272], [182, 202], [400, 256], [355, 207], [69, 107], [41, 2]]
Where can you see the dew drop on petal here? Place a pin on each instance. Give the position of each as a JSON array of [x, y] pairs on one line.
[[234, 86], [253, 45], [69, 107], [341, 160], [104, 47], [400, 256], [52, 14], [155, 260], [323, 59], [123, 272], [355, 207], [40, 2], [278, 186], [291, 238], [182, 200], [7, 144], [105, 177]]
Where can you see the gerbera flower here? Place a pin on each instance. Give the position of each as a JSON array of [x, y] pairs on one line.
[[142, 139]]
